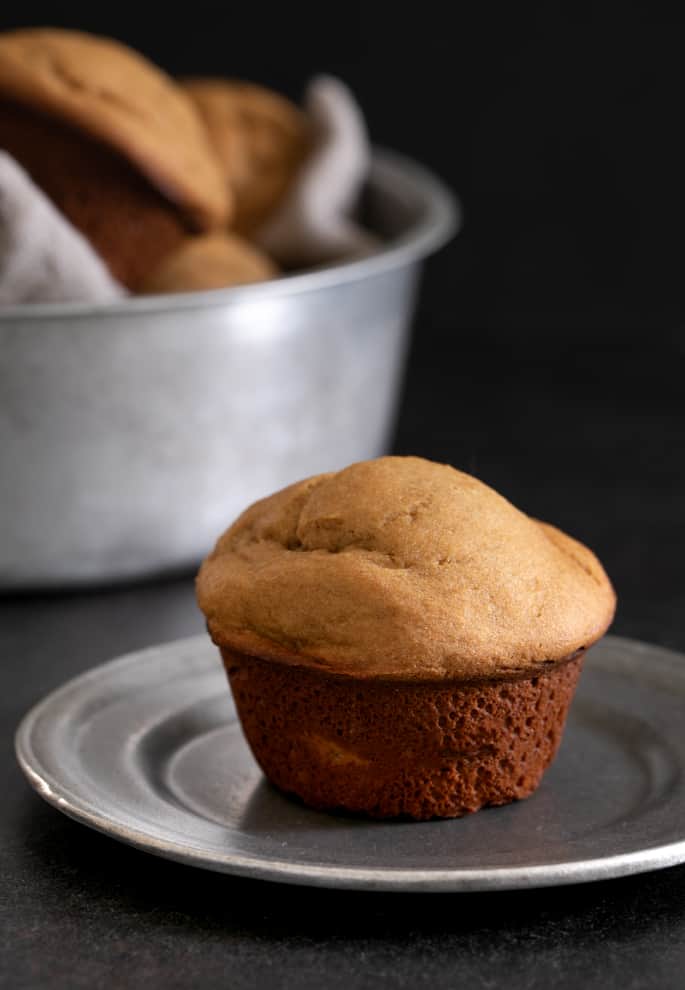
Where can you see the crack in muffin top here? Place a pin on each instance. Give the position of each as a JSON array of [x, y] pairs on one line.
[[402, 568]]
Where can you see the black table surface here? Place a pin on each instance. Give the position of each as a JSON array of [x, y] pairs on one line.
[[586, 432]]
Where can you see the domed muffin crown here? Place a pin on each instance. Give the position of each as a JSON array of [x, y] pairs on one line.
[[402, 568], [260, 138], [119, 98]]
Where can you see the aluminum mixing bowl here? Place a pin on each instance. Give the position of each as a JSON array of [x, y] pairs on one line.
[[132, 434]]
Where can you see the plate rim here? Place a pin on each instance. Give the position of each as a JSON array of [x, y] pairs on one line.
[[438, 879]]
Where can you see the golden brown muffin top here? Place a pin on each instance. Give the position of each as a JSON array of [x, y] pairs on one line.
[[261, 139], [209, 261], [121, 99], [402, 568]]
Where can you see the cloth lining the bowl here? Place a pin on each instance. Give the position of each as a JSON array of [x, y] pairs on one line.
[[315, 223], [43, 258]]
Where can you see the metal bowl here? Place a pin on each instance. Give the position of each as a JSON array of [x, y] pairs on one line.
[[132, 434]]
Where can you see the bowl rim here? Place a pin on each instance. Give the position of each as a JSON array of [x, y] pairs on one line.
[[439, 221]]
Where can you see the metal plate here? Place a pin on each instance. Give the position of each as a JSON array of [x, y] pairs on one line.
[[148, 749]]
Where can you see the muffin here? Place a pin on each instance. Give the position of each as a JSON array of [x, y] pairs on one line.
[[113, 141], [261, 139], [130, 225], [400, 640], [210, 261]]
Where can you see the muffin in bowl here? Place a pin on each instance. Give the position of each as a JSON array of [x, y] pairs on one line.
[[400, 640], [261, 139], [113, 141]]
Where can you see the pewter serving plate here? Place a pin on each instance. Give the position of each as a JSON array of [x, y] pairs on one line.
[[148, 750]]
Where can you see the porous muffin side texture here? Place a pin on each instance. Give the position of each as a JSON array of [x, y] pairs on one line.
[[402, 568], [397, 749], [120, 98]]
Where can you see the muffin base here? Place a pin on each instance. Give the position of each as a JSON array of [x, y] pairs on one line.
[[400, 749]]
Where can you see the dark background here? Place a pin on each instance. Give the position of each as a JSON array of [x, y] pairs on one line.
[[559, 126], [548, 359]]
